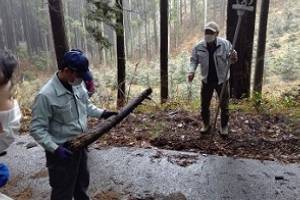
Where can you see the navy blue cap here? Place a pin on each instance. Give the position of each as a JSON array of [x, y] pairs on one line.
[[77, 61]]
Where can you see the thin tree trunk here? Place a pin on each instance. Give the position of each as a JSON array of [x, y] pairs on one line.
[[67, 23], [120, 59], [58, 30], [9, 32], [2, 45], [155, 28], [130, 35], [223, 15], [103, 50], [192, 13], [261, 46], [146, 30], [164, 7], [181, 12], [140, 42], [205, 12]]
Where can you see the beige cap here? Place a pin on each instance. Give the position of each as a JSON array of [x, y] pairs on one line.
[[213, 26]]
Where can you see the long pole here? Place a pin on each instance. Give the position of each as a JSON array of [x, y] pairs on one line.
[[240, 12]]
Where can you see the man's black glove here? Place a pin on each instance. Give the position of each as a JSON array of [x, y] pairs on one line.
[[3, 153], [106, 114]]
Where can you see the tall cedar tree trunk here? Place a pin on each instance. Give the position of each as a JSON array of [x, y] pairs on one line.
[[146, 30], [241, 71], [10, 41], [2, 43], [121, 58], [130, 30], [127, 29], [164, 7], [58, 30], [205, 12], [261, 46], [223, 15], [155, 27]]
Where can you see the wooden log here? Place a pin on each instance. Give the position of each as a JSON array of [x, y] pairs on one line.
[[84, 140]]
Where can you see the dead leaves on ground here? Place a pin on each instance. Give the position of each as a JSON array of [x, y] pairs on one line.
[[254, 136]]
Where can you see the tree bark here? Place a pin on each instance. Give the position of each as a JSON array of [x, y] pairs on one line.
[[84, 140], [164, 7], [241, 71], [261, 46], [121, 58], [205, 12], [58, 30], [155, 27], [146, 30]]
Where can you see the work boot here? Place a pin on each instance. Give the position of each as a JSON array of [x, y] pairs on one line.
[[224, 131], [205, 129]]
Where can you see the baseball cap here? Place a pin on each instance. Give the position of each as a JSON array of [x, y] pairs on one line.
[[213, 26], [76, 60]]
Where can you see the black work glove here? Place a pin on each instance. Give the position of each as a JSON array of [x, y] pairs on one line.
[[3, 153], [106, 114]]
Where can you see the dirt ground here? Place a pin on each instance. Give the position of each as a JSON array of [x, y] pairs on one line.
[[254, 136]]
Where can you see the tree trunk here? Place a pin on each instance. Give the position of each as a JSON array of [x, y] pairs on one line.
[[67, 23], [120, 59], [205, 12], [103, 50], [84, 140], [10, 40], [146, 30], [241, 71], [223, 15], [58, 30], [181, 12], [130, 31], [155, 28], [164, 7], [261, 46], [140, 42], [192, 13], [2, 43]]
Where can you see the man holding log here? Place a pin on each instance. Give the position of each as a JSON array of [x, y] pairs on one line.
[[59, 114]]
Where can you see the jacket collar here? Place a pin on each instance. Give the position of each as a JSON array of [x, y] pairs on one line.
[[58, 86]]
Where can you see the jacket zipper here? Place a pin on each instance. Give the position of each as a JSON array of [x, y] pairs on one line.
[[77, 112]]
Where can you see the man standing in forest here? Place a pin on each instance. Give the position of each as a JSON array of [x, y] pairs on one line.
[[213, 54], [59, 114]]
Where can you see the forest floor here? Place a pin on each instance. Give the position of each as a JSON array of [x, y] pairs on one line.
[[253, 134], [262, 137], [263, 134], [152, 130]]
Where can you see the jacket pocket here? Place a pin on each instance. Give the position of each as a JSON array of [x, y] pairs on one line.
[[82, 102], [63, 113], [221, 60], [202, 57]]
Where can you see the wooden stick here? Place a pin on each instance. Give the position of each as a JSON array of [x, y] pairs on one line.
[[84, 140]]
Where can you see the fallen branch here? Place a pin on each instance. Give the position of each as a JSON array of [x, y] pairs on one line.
[[84, 140]]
